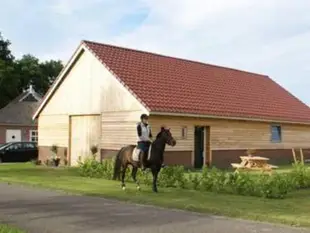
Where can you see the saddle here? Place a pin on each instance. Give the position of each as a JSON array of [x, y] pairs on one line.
[[136, 154]]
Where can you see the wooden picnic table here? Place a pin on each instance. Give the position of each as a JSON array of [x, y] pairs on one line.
[[253, 163]]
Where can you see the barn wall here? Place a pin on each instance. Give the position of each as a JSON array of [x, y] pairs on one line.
[[53, 130], [119, 129], [230, 139], [79, 91], [235, 134], [89, 88]]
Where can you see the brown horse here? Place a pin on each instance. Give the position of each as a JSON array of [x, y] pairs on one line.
[[124, 158]]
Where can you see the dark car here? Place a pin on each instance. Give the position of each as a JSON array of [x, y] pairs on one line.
[[18, 152]]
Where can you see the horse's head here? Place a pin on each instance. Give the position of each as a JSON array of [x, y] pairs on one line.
[[166, 135]]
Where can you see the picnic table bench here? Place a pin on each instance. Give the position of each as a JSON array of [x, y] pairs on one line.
[[253, 163]]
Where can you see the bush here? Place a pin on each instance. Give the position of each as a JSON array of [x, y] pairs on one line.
[[274, 186], [211, 180], [261, 185], [90, 167], [300, 176]]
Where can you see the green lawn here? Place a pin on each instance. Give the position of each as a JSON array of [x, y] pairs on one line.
[[293, 210], [9, 229]]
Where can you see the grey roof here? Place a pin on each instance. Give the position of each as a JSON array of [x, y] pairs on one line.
[[21, 109]]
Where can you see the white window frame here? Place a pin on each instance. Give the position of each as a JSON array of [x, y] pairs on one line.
[[33, 137]]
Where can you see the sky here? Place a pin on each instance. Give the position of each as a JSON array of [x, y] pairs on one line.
[[269, 37]]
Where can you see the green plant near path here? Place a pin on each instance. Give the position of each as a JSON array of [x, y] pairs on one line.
[[8, 229], [293, 210], [277, 185]]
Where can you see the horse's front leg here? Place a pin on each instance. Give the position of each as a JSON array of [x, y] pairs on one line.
[[155, 172], [123, 177], [134, 176]]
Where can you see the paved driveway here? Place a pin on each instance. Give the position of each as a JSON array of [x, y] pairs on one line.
[[41, 211]]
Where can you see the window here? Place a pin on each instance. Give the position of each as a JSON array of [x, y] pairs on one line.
[[33, 136], [29, 146], [276, 134], [184, 132], [15, 146]]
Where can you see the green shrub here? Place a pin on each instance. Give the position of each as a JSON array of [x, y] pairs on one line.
[[300, 176], [194, 180], [262, 185], [276, 185], [172, 177]]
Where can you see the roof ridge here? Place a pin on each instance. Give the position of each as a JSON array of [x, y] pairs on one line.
[[177, 58]]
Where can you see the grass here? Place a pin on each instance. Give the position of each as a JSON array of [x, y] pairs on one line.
[[293, 210], [8, 229]]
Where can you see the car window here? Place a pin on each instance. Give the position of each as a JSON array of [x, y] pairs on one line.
[[5, 145], [15, 146], [2, 146], [29, 146]]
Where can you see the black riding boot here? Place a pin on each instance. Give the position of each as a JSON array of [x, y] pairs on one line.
[[143, 161]]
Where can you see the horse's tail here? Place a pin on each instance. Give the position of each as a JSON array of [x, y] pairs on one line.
[[117, 164]]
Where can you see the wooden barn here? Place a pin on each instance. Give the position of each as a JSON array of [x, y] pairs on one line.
[[215, 113]]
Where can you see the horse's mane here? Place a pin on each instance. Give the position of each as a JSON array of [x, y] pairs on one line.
[[160, 132], [159, 135]]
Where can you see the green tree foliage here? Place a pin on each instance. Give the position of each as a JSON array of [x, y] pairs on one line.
[[8, 84], [17, 74]]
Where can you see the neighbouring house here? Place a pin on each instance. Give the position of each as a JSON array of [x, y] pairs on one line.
[[215, 113], [16, 122]]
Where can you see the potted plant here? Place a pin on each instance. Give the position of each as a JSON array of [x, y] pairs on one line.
[[55, 157], [94, 151]]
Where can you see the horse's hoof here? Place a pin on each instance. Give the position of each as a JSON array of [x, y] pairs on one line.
[[124, 188]]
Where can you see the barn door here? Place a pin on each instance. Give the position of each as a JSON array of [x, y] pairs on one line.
[[85, 131]]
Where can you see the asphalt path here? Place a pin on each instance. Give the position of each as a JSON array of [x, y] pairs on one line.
[[44, 211]]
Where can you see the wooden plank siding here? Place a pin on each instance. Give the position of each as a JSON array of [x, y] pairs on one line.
[[53, 130], [89, 88], [230, 135], [119, 129]]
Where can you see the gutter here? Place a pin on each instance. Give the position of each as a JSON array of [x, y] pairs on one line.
[[225, 118]]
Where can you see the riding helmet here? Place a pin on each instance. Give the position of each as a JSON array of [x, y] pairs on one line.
[[144, 116]]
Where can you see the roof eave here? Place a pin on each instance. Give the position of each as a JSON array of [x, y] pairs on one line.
[[227, 118]]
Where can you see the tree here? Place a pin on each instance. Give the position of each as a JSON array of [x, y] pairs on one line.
[[8, 83], [40, 75], [17, 75], [50, 70], [5, 52]]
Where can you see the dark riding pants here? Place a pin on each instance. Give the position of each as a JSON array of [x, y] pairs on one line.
[[144, 146]]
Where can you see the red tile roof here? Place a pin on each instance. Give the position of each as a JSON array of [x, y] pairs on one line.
[[173, 85]]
